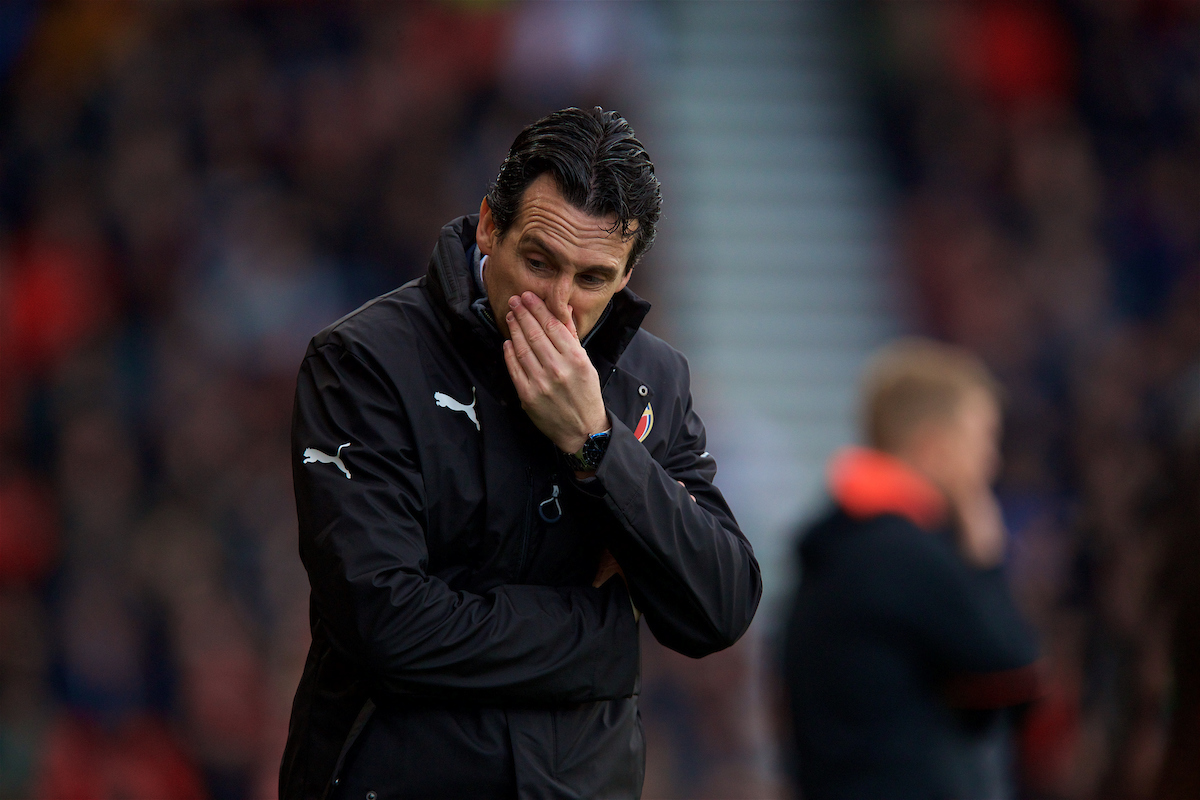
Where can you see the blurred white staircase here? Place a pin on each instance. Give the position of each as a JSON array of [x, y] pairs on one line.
[[778, 288]]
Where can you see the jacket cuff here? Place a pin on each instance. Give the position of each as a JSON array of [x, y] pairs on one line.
[[625, 469], [592, 487]]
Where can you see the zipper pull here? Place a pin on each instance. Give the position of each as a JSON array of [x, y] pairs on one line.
[[557, 511]]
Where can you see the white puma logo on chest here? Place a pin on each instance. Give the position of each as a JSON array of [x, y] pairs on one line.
[[446, 401], [312, 456]]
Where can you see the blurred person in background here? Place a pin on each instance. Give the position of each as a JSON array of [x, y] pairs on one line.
[[491, 462], [903, 635], [1046, 158]]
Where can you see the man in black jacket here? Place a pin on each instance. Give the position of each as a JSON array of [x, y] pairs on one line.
[[474, 454], [903, 641]]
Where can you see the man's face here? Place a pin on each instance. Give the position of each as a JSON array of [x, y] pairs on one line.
[[573, 261], [968, 443], [961, 453], [978, 428]]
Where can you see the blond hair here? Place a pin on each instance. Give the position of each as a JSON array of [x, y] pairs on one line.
[[916, 380]]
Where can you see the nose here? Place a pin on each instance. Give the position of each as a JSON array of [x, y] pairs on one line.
[[558, 296]]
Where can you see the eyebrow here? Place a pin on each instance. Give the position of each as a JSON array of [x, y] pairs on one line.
[[534, 241]]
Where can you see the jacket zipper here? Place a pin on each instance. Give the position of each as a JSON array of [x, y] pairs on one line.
[[550, 510], [528, 525]]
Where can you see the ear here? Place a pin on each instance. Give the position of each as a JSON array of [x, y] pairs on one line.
[[485, 231], [625, 279]]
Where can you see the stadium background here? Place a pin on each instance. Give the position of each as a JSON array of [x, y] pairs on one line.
[[189, 190]]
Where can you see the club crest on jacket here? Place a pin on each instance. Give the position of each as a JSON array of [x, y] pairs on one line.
[[644, 424]]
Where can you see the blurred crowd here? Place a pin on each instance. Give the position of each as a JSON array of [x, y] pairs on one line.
[[188, 192], [1048, 159]]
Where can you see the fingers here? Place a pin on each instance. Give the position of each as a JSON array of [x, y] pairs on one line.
[[523, 324], [523, 360], [516, 371], [571, 322], [607, 568], [560, 390], [689, 495], [557, 329], [559, 334]]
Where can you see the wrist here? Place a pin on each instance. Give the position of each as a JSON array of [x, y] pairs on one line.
[[573, 444], [598, 425], [586, 459]]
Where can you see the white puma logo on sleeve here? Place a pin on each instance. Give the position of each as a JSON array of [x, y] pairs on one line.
[[446, 401], [312, 456]]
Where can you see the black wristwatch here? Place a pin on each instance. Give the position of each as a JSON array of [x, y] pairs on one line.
[[588, 457]]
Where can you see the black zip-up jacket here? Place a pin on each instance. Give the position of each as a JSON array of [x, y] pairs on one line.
[[458, 647], [886, 615]]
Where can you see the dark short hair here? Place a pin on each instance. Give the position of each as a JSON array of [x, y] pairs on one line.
[[598, 164]]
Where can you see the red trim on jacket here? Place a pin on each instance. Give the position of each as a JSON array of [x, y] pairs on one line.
[[1001, 689], [867, 483]]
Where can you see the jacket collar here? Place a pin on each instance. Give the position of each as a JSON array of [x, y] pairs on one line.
[[451, 281], [866, 483]]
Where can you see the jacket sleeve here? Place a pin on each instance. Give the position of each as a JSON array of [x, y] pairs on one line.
[[362, 540], [1001, 668], [966, 620], [691, 571]]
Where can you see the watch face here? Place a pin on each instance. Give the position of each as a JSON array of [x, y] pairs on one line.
[[594, 448], [588, 457]]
